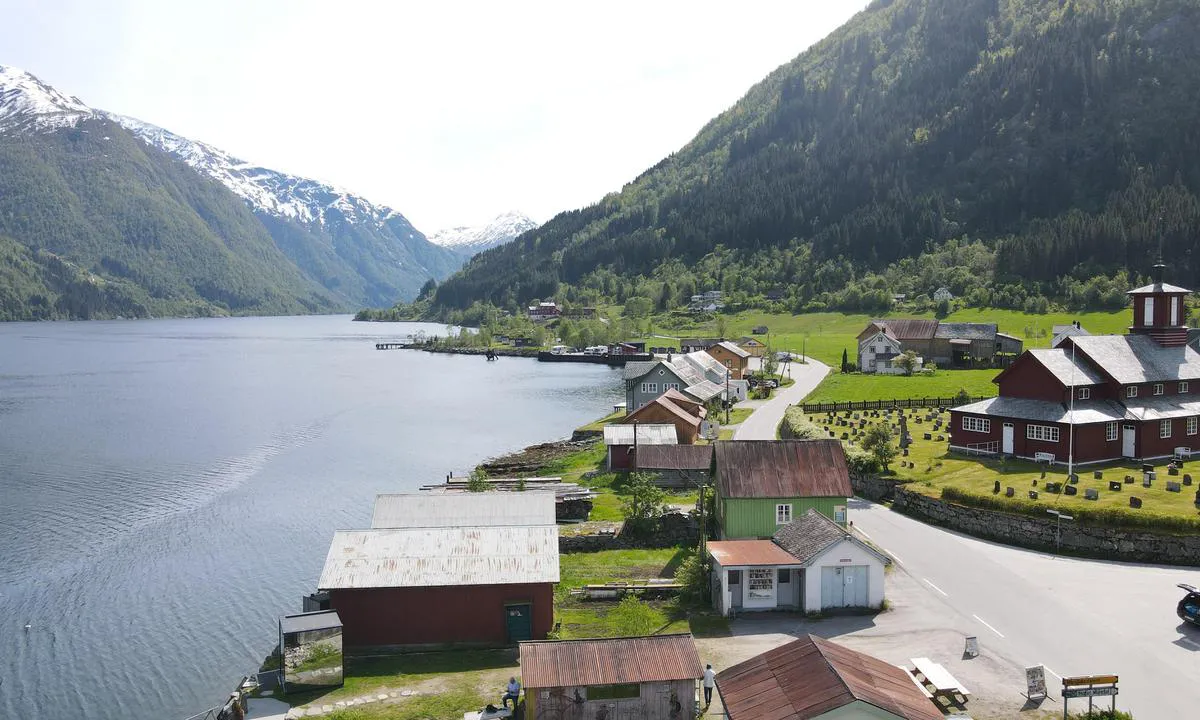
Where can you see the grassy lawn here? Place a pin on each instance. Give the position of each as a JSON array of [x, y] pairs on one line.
[[449, 682], [825, 335], [598, 425], [596, 618], [936, 470], [838, 387], [737, 415]]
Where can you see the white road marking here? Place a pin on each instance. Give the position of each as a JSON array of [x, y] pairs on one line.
[[935, 587], [1060, 677], [989, 627]]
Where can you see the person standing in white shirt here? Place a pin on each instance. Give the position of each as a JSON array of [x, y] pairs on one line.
[[710, 681]]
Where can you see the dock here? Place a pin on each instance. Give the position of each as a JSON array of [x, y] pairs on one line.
[[615, 359]]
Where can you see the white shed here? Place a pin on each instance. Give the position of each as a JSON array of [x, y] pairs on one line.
[[839, 569]]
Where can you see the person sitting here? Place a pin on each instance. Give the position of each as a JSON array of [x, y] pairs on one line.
[[513, 693]]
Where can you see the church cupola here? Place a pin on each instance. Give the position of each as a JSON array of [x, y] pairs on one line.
[[1158, 311]]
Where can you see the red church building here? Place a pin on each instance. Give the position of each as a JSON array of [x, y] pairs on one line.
[[1134, 396]]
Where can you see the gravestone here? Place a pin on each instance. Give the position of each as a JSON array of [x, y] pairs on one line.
[[1073, 479], [1128, 479], [904, 452], [996, 488], [1172, 470], [1115, 485], [1098, 474], [1043, 473], [1148, 479], [1174, 487], [928, 436], [1135, 502], [941, 438], [1009, 492], [1033, 495], [1054, 487], [1187, 479], [1147, 468], [845, 436], [1091, 494], [1035, 482], [1197, 501], [1071, 490]]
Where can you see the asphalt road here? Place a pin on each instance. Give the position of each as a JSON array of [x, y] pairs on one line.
[[1076, 617], [763, 423]]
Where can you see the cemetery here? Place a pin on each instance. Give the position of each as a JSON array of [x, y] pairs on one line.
[[1163, 496]]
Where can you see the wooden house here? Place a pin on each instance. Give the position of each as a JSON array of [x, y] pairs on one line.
[[633, 678], [677, 466], [732, 357], [762, 485], [675, 408], [754, 346], [815, 679], [622, 440]]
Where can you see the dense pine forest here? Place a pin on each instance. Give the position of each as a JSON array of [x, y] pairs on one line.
[[1021, 153]]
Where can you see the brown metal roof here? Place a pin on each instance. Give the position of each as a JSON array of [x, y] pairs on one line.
[[661, 402], [782, 469], [688, 404], [609, 661], [734, 553], [674, 457], [810, 676], [907, 328]]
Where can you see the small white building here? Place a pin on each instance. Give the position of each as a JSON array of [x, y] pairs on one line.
[[811, 564], [941, 294], [622, 440], [878, 353]]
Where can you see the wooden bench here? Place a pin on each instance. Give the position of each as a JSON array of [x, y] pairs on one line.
[[944, 684]]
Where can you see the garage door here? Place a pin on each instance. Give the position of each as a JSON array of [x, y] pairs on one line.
[[844, 586]]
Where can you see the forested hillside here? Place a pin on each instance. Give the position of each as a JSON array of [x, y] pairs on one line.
[[1011, 150], [108, 226]]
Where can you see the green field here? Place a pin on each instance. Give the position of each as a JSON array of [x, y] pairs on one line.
[[856, 387], [935, 469], [825, 335]]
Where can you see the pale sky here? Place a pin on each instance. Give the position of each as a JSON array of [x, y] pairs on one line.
[[450, 112]]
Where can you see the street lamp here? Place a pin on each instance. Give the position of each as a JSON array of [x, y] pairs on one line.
[[1059, 517]]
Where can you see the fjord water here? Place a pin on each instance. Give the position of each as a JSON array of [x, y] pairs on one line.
[[169, 487]]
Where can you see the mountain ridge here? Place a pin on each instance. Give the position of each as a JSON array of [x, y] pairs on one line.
[[474, 239]]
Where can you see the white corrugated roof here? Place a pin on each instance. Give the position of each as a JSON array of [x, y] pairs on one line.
[[438, 557], [471, 509], [1138, 358], [1069, 373], [646, 434], [1158, 288], [1160, 408]]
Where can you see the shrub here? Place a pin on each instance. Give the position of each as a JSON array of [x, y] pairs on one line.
[[692, 575], [796, 425], [861, 462], [877, 440], [962, 397], [644, 505], [632, 617], [478, 482]]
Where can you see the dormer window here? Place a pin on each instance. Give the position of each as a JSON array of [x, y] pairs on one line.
[[1131, 391], [1158, 388], [1083, 393]]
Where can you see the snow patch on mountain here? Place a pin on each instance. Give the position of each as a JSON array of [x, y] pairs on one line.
[[28, 103], [473, 240]]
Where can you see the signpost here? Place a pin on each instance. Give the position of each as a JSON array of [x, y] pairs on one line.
[[1089, 686], [1035, 680]]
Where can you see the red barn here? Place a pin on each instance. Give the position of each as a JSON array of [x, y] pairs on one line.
[[1096, 398]]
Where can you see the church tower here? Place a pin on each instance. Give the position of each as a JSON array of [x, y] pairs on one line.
[[1158, 311]]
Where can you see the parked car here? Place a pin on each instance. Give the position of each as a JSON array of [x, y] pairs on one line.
[[1189, 606]]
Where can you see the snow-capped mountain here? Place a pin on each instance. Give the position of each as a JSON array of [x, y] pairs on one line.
[[28, 103], [472, 240], [366, 253]]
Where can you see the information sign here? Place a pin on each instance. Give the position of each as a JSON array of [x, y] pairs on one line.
[[1035, 679]]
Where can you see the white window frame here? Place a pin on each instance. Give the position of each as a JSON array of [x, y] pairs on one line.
[[1192, 423], [783, 513], [1083, 393], [1183, 386], [1043, 433], [1158, 388], [670, 386], [1110, 431], [1174, 311], [976, 424], [1164, 428], [1148, 312], [839, 514], [1131, 391], [649, 388]]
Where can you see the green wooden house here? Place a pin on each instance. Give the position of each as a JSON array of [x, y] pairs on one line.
[[763, 485]]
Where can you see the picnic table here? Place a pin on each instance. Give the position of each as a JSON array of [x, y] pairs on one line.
[[939, 678]]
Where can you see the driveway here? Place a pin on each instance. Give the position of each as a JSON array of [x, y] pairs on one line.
[[762, 424]]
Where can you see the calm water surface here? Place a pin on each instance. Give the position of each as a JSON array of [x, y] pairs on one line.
[[169, 487]]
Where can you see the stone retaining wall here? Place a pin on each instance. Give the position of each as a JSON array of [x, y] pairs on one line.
[[873, 487], [674, 529], [1030, 532]]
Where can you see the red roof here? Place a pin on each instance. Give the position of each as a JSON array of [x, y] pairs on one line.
[[730, 553], [609, 661], [782, 469], [809, 677]]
